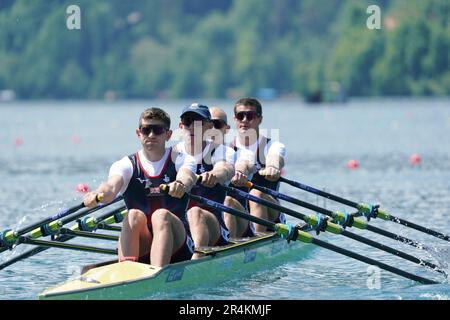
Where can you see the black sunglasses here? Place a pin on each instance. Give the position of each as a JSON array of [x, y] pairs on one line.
[[188, 120], [218, 124], [250, 115], [155, 128]]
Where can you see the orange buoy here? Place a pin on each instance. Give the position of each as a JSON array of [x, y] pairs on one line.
[[415, 159], [18, 142], [353, 164], [76, 139], [82, 187]]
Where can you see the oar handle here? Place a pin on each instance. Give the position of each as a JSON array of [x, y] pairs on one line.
[[165, 187], [98, 198]]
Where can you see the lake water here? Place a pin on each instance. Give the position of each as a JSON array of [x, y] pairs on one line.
[[48, 147]]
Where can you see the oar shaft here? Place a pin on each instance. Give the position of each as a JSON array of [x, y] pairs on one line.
[[335, 229], [361, 224], [265, 202], [417, 227], [370, 261], [383, 214], [319, 192], [85, 234], [394, 236], [393, 251], [70, 246], [15, 234], [104, 226], [306, 237], [233, 211], [63, 238]]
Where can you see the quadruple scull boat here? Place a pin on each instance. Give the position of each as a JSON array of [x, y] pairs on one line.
[[133, 280], [242, 257]]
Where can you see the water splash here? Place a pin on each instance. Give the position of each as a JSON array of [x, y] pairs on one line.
[[441, 253]]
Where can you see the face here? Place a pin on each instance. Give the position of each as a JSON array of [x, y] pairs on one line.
[[219, 130], [153, 134], [193, 124], [246, 118]]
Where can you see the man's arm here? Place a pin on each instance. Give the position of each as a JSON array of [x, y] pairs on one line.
[[108, 190], [119, 176], [223, 169], [186, 178], [244, 167], [274, 161]]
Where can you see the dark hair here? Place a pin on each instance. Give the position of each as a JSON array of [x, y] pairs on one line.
[[157, 114], [249, 102]]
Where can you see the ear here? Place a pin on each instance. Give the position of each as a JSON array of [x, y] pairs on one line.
[[138, 133], [168, 135], [260, 120], [180, 125]]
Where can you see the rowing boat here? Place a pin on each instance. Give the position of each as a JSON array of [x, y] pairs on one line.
[[133, 280]]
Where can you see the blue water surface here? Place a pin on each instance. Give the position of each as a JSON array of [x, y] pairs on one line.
[[72, 142]]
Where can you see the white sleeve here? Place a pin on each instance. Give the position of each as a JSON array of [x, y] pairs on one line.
[[123, 168], [185, 161], [277, 148], [245, 154], [223, 153]]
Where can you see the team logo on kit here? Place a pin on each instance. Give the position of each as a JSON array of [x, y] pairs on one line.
[[166, 179], [150, 190], [202, 169], [147, 183]]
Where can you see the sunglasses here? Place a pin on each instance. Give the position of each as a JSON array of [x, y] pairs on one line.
[[155, 128], [188, 120], [218, 124], [250, 115]]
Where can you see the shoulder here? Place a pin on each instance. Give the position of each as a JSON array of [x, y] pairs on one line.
[[275, 147], [125, 161], [123, 167], [179, 147], [178, 156], [223, 149]]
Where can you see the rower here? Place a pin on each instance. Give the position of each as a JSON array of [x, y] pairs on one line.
[[244, 166], [215, 166], [268, 157], [155, 229]]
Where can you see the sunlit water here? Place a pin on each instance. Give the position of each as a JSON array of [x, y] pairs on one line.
[[66, 143]]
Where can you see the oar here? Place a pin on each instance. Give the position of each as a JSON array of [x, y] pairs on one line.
[[320, 224], [294, 234], [367, 210], [63, 245], [9, 237], [345, 219], [113, 216]]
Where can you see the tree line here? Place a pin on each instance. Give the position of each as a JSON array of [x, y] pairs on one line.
[[223, 48]]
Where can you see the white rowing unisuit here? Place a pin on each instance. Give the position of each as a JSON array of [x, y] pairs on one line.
[[124, 167]]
